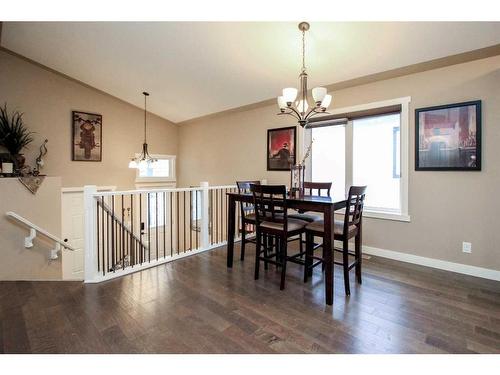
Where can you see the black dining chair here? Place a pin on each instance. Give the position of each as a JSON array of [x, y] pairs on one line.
[[313, 188], [343, 231], [272, 222], [247, 214], [310, 188]]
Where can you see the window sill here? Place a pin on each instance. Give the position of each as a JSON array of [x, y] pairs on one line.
[[386, 216]]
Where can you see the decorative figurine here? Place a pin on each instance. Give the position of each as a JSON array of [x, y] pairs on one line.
[[39, 160]]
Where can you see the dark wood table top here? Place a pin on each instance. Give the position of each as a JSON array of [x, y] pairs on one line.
[[306, 198]]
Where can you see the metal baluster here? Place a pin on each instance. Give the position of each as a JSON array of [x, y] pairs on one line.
[[178, 222], [190, 220], [103, 236], [148, 227], [156, 227], [98, 235], [196, 217], [184, 221], [132, 245], [211, 214], [141, 247], [171, 225], [164, 224], [113, 254], [123, 235]]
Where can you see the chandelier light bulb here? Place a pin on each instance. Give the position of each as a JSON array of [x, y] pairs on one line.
[[289, 94], [281, 102], [326, 101], [318, 94], [132, 164]]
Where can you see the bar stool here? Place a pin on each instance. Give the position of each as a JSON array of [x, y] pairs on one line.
[[272, 222], [343, 231], [247, 213]]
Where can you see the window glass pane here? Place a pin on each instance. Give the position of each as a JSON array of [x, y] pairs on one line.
[[159, 169], [376, 160], [328, 157]]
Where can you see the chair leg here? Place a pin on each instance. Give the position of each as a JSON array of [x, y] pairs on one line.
[[357, 251], [266, 246], [301, 246], [345, 261], [308, 259], [257, 256], [283, 242], [323, 255], [243, 241]]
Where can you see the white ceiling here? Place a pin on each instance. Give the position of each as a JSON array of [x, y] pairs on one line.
[[193, 69]]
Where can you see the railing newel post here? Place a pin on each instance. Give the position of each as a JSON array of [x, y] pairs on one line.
[[205, 220], [90, 207]]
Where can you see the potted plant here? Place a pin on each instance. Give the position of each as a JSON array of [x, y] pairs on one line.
[[14, 135]]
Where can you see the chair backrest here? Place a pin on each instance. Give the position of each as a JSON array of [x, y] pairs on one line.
[[243, 188], [270, 203], [354, 207], [318, 186]]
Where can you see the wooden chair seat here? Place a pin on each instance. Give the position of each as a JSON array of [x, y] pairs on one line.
[[317, 228], [293, 225], [309, 217]]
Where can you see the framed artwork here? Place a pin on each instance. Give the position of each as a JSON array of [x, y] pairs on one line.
[[86, 136], [281, 145], [448, 137]]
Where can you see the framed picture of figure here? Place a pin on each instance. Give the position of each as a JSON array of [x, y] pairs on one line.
[[86, 136], [448, 137], [281, 145]]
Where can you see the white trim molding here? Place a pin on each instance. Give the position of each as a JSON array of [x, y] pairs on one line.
[[465, 269]]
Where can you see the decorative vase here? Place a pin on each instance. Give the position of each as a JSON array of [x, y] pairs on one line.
[[19, 160], [297, 180]]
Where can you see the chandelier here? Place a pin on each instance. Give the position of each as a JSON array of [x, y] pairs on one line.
[[144, 159], [302, 108]]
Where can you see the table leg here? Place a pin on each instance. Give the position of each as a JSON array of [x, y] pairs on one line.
[[231, 224], [328, 259]]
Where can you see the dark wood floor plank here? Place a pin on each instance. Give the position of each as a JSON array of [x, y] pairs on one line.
[[197, 305]]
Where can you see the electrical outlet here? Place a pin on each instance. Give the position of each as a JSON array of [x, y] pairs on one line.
[[467, 247]]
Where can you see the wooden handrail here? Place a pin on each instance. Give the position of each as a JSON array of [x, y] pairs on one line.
[[39, 230]]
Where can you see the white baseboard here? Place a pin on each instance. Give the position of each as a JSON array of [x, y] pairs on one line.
[[465, 269]]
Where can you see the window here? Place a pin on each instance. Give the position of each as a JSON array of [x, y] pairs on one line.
[[161, 171], [366, 147], [328, 157]]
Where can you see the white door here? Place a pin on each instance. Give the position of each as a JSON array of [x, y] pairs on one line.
[[73, 230]]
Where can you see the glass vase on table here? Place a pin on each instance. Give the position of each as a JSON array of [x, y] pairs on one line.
[[297, 173]]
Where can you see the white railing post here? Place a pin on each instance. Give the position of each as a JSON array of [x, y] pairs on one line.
[[205, 212], [90, 209]]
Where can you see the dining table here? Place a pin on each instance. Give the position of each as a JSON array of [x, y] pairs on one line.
[[305, 203]]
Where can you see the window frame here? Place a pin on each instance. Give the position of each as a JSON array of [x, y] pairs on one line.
[[172, 175], [404, 102]]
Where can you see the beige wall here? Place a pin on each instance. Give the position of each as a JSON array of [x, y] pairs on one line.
[[47, 99], [42, 209], [446, 208]]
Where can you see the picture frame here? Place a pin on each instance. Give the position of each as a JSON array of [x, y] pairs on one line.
[[281, 148], [448, 137], [86, 136]]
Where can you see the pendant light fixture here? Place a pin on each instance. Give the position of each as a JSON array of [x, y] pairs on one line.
[[303, 108], [144, 158]]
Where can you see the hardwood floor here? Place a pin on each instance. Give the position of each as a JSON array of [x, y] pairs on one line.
[[196, 305]]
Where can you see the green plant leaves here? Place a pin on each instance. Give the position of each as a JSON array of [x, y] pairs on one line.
[[14, 135]]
